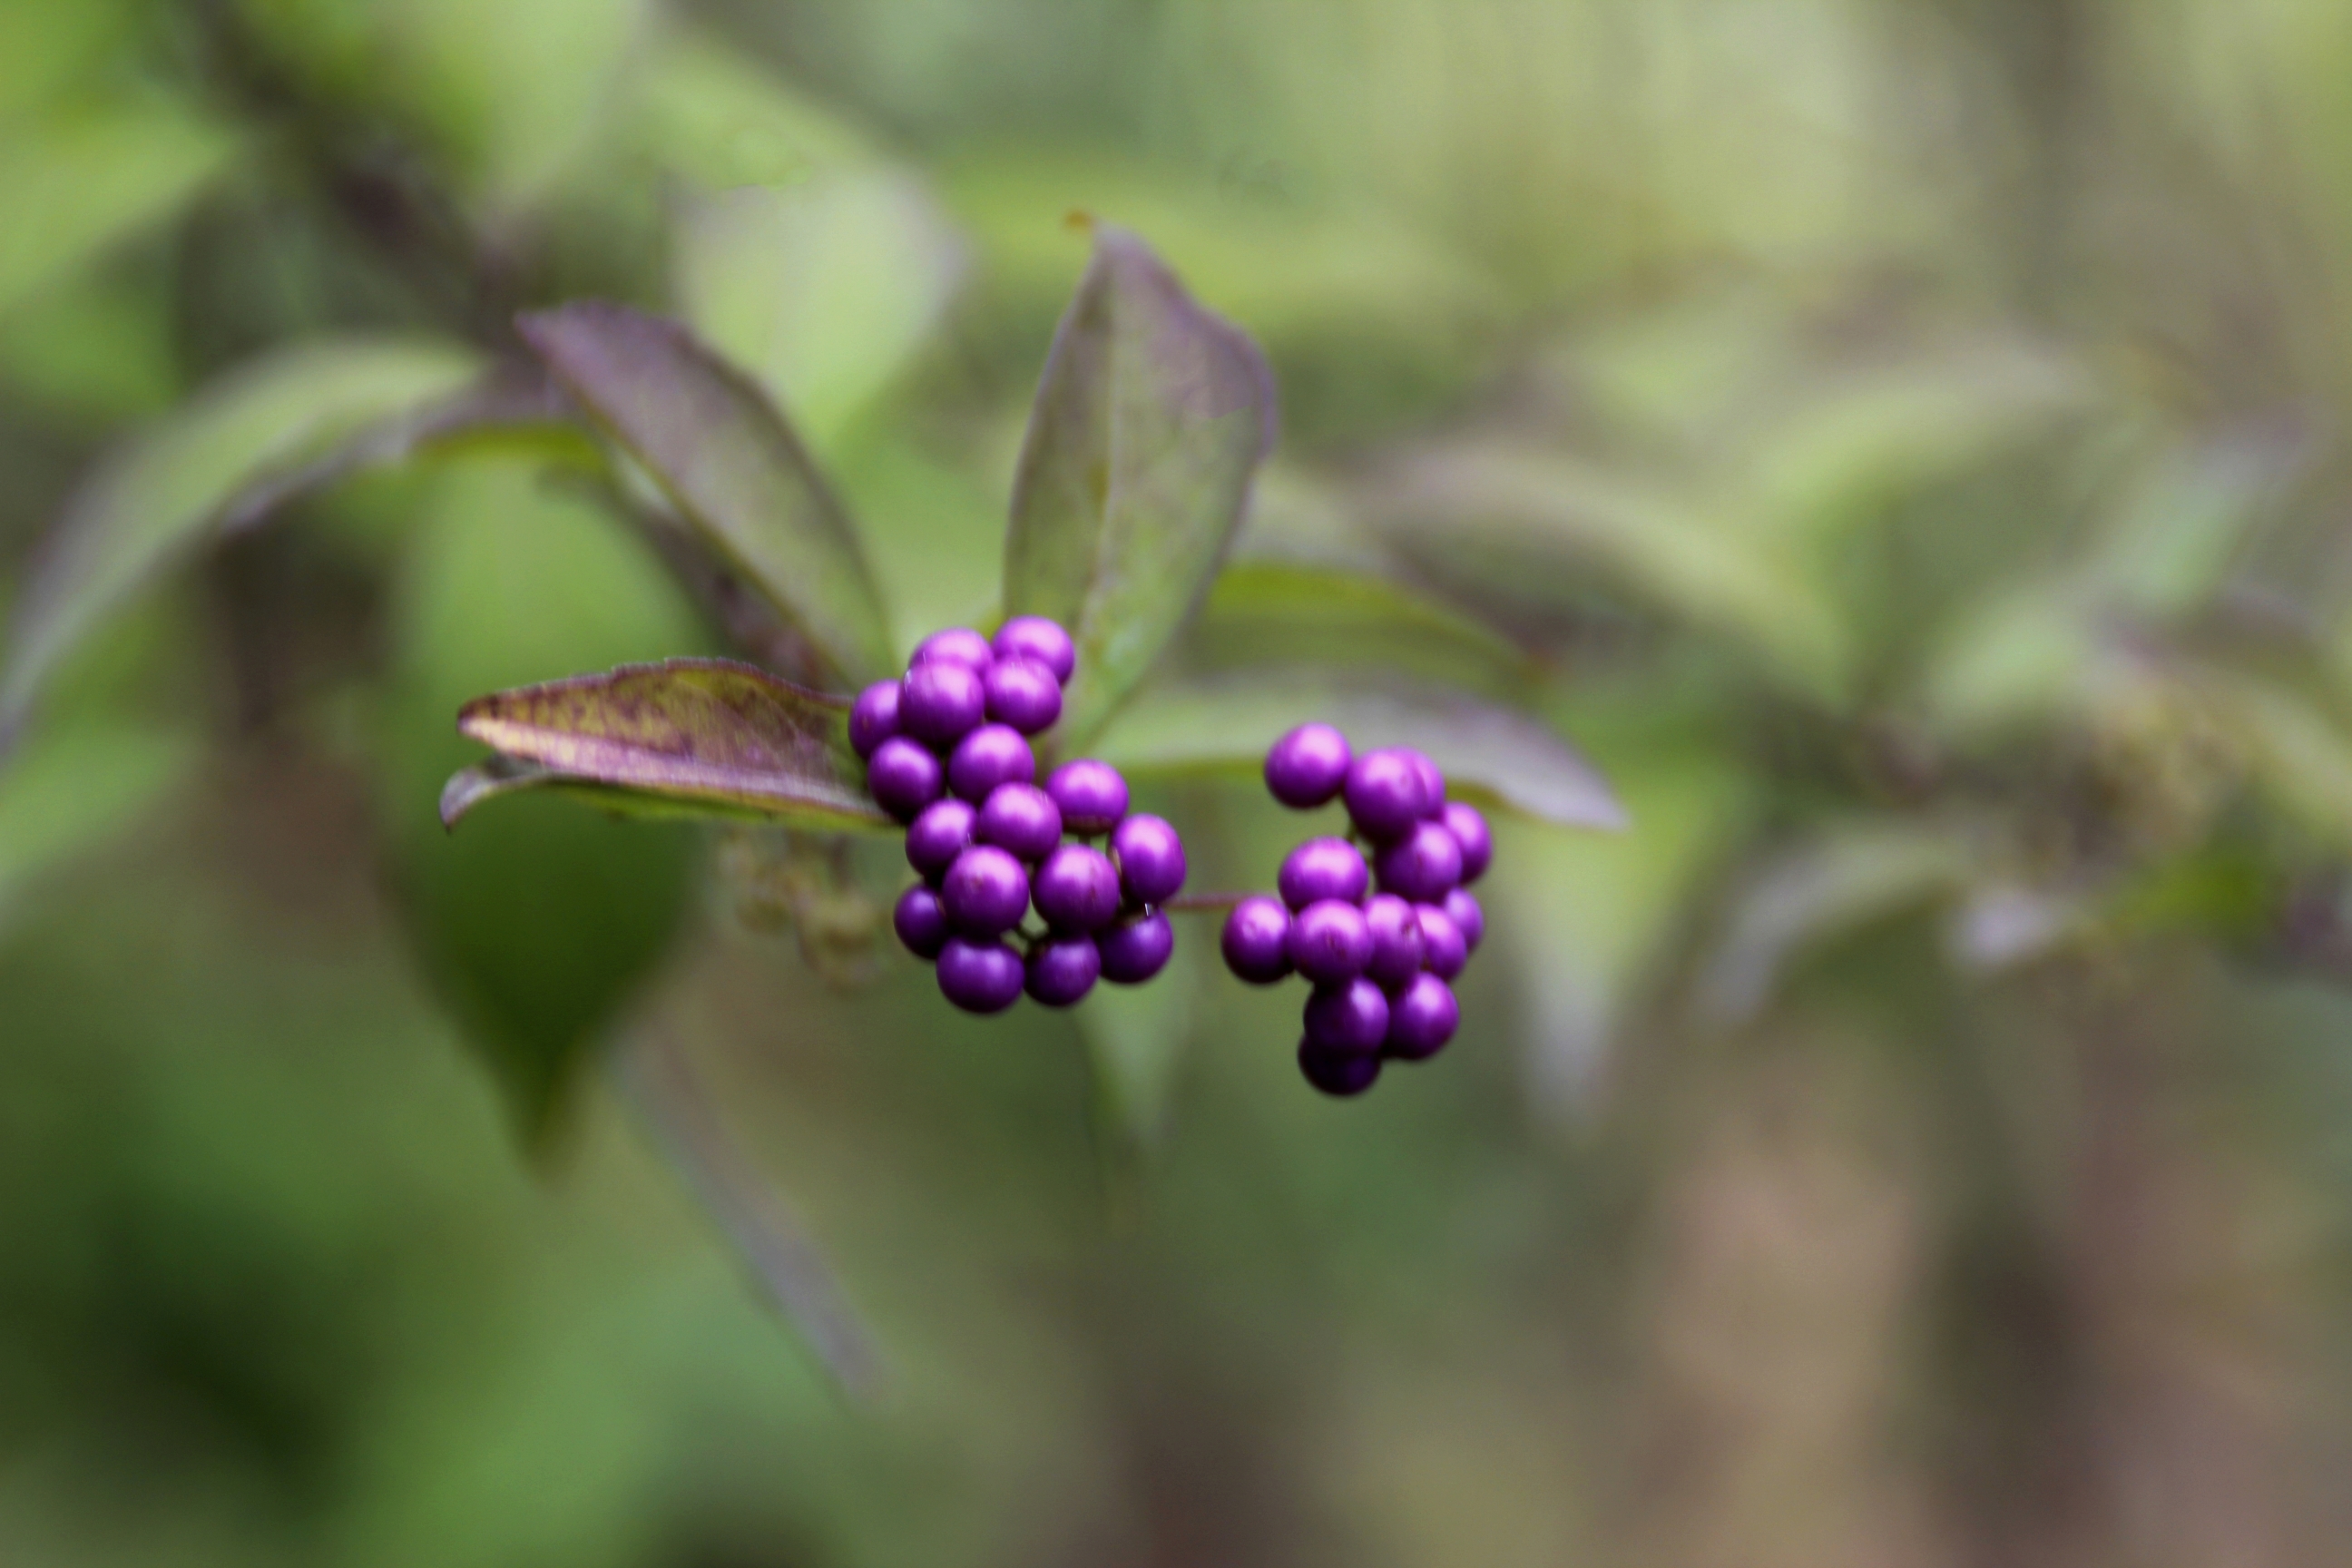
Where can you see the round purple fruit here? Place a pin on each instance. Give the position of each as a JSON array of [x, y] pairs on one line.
[[1422, 1019], [1023, 693], [1396, 939], [1423, 866], [903, 777], [1443, 949], [1306, 766], [1062, 970], [1387, 792], [1322, 868], [874, 717], [956, 645], [982, 976], [1339, 1074], [991, 755], [1463, 908], [941, 702], [1469, 828], [1351, 1016], [1135, 952], [921, 923], [1021, 819], [1257, 941], [938, 836], [1091, 795], [1035, 637], [1330, 942], [1151, 859], [1076, 889], [986, 891]]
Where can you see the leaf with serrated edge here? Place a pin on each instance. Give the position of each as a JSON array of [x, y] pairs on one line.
[[1488, 755], [296, 419], [731, 465], [718, 737], [1152, 416]]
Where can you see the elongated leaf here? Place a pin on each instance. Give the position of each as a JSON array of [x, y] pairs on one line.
[[1854, 873], [74, 185], [295, 418], [538, 931], [823, 289], [1151, 419], [707, 732], [1488, 754], [1525, 527], [732, 468]]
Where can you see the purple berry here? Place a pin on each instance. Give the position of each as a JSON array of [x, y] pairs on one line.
[[1021, 819], [986, 892], [1151, 859], [1135, 952], [921, 921], [1061, 970], [940, 703], [1035, 637], [1092, 796], [1422, 1019], [1306, 767], [1257, 941], [1076, 889], [1469, 828], [1386, 793], [940, 833], [1422, 866], [1322, 868], [1330, 942], [1443, 949], [991, 755], [956, 645], [874, 717], [1339, 1074], [903, 777], [980, 976], [1352, 1015], [1396, 939], [1462, 908], [1432, 783], [1023, 693]]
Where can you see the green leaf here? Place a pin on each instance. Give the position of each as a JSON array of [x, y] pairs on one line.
[[74, 185], [1148, 423], [733, 468], [538, 927], [75, 787], [1592, 917], [823, 290], [706, 732], [1516, 526], [280, 425], [1490, 754], [1849, 876]]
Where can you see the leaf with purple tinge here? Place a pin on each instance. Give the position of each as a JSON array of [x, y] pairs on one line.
[[281, 427], [688, 736], [1492, 756], [731, 466], [1152, 418]]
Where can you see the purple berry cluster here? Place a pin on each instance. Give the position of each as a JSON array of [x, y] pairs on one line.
[[1380, 942], [947, 753]]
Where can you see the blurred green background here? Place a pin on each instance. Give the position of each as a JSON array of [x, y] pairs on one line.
[[1900, 440]]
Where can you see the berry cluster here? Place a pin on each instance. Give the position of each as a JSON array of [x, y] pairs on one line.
[[947, 753], [1378, 960]]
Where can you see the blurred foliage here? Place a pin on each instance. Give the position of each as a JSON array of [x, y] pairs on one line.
[[1900, 440]]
